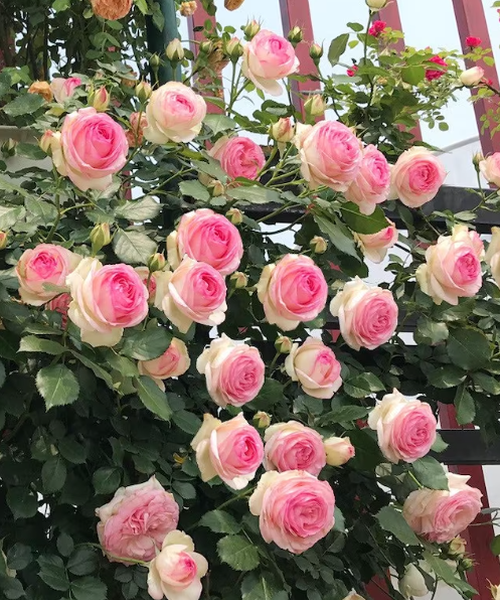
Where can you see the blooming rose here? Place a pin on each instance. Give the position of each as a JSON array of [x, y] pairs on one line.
[[473, 42], [239, 157], [453, 266], [174, 362], [431, 74], [292, 291], [90, 149], [105, 300], [111, 9], [290, 446], [267, 58], [206, 237], [174, 114], [135, 135], [416, 177], [176, 572], [232, 450], [490, 168], [63, 88], [315, 367], [372, 183], [406, 429], [412, 584], [368, 316], [330, 155], [375, 245], [440, 515], [234, 371], [45, 264], [377, 28], [472, 76], [295, 509], [193, 292], [338, 451], [493, 255], [60, 304], [135, 522]]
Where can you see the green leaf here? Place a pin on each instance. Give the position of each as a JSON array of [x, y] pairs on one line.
[[185, 489], [393, 521], [194, 189], [72, 451], [220, 521], [10, 215], [446, 377], [2, 374], [106, 480], [41, 211], [187, 421], [53, 474], [430, 333], [218, 123], [254, 194], [88, 588], [337, 48], [487, 383], [96, 369], [65, 544], [439, 445], [262, 586], [468, 348], [19, 556], [31, 343], [147, 344], [270, 393], [345, 414], [133, 247], [494, 545], [139, 211], [360, 223], [61, 5], [363, 385], [238, 552], [430, 473], [338, 236], [83, 561], [446, 574], [26, 104], [465, 406], [53, 573], [57, 385], [22, 502], [339, 520], [413, 75], [153, 398]]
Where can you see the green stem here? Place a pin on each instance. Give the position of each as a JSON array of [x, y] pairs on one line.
[[412, 476], [278, 211], [57, 219], [236, 498]]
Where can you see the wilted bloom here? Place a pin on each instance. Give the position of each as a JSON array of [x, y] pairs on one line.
[[99, 99], [175, 51], [315, 105], [318, 244], [188, 9], [42, 88], [251, 29], [473, 42], [111, 9], [431, 74], [377, 28]]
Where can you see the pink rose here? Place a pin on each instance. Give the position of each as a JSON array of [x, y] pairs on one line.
[[149, 280], [239, 157], [315, 367], [406, 429], [375, 245], [453, 267], [232, 450], [338, 451], [195, 292], [46, 264], [372, 183], [174, 362], [490, 168], [176, 572], [63, 88], [174, 114], [135, 522], [493, 255], [295, 509], [416, 177], [267, 58], [206, 237], [440, 515], [330, 154], [292, 446], [60, 304], [292, 291], [90, 149], [234, 371], [431, 74], [368, 316], [105, 300], [135, 135]]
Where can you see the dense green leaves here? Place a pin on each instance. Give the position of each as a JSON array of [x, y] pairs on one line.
[[106, 480], [393, 521], [22, 502], [262, 586], [464, 403], [139, 211], [32, 343], [238, 552], [147, 344], [468, 348], [88, 588], [361, 223], [57, 385], [53, 572], [430, 473], [23, 105], [153, 398], [53, 474], [363, 385], [337, 47], [133, 247], [220, 521]]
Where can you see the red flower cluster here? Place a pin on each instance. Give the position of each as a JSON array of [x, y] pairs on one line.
[[377, 28], [473, 42], [352, 71], [432, 74]]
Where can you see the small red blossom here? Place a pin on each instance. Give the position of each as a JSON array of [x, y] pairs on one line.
[[432, 74], [473, 42], [377, 28], [352, 71]]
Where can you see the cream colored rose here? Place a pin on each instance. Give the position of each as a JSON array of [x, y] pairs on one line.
[[174, 362], [493, 254], [338, 451], [472, 76], [413, 582], [490, 168]]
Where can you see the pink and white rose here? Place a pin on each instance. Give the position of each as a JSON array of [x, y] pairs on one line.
[[315, 367], [406, 429], [177, 570], [174, 362], [372, 183], [268, 58], [239, 156], [232, 450], [368, 315], [234, 371], [490, 168], [149, 280], [292, 291], [135, 135], [375, 245], [453, 267], [293, 446], [105, 300], [207, 237], [64, 88], [338, 451], [295, 509], [441, 515], [135, 522], [174, 114], [493, 254], [43, 266], [60, 304]]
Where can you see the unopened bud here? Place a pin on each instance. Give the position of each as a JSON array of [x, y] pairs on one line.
[[154, 61], [251, 29], [156, 262], [315, 51], [261, 419], [206, 47], [8, 148], [188, 9], [318, 244], [100, 236], [457, 546], [175, 51], [467, 564], [283, 344], [48, 140], [143, 90], [3, 239], [235, 216], [216, 188], [240, 280], [315, 105], [477, 159], [283, 130], [233, 49], [99, 99], [338, 451], [376, 4], [295, 36]]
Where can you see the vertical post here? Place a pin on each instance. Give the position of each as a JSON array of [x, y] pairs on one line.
[[471, 20], [159, 40]]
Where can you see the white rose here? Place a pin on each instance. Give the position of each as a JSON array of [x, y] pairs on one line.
[[472, 77]]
